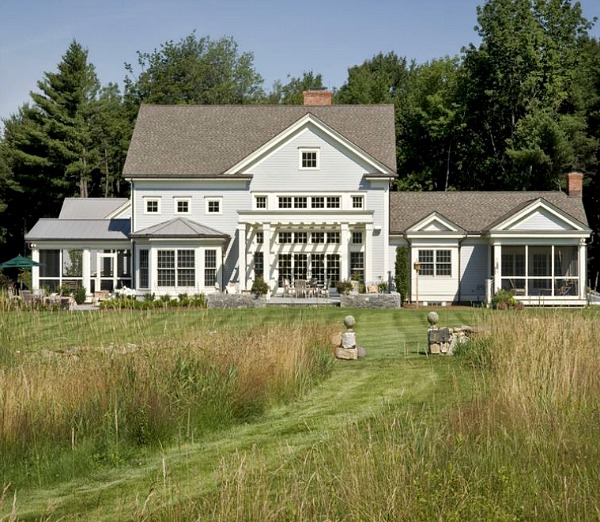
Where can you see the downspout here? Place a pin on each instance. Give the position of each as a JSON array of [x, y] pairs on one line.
[[410, 266], [131, 229], [460, 242]]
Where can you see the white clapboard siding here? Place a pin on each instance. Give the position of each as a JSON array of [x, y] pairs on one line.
[[339, 170], [474, 268]]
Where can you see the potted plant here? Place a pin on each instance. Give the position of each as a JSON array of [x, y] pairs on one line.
[[259, 287]]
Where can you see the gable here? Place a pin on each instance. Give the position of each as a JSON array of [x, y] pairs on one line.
[[541, 219], [540, 216], [310, 132], [434, 224]]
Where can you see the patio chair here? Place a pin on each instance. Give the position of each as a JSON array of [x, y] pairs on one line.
[[301, 288], [288, 288]]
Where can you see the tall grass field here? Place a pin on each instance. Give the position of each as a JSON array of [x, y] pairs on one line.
[[245, 415]]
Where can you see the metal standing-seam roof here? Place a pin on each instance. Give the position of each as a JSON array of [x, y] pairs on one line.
[[179, 228], [90, 208], [79, 229], [207, 140], [475, 212]]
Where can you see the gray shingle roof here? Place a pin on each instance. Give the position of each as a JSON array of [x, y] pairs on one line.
[[90, 208], [179, 228], [475, 212], [207, 140], [79, 229]]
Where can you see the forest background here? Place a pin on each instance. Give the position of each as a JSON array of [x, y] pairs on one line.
[[515, 112]]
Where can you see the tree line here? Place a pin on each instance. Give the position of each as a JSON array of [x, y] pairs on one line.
[[515, 112]]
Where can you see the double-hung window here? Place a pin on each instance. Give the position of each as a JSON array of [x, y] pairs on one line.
[[176, 268], [435, 262], [210, 267]]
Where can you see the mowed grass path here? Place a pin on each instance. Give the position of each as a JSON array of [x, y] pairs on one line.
[[396, 373]]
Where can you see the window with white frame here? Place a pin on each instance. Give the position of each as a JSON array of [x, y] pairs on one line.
[[317, 202], [285, 201], [317, 237], [309, 159], [214, 205], [333, 202], [259, 264], [144, 268], [260, 201], [300, 237], [301, 202], [333, 237], [435, 262], [357, 237], [151, 205], [210, 267], [176, 268], [358, 202], [260, 237], [182, 206], [357, 266], [284, 237]]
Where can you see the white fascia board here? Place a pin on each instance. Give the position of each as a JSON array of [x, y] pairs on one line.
[[115, 214], [281, 138], [537, 204], [184, 179], [442, 236], [526, 235]]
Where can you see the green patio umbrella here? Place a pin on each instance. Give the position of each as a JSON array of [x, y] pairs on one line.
[[19, 262]]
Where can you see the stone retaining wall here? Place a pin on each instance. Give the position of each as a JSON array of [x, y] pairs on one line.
[[381, 301], [223, 300]]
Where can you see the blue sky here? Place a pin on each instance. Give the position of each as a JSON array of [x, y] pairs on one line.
[[287, 37]]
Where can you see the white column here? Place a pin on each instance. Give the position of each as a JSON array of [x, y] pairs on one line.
[[267, 257], [368, 253], [86, 271], [582, 269], [344, 240], [35, 270], [242, 253], [497, 267]]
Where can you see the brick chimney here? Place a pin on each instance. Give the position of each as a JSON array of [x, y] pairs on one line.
[[320, 98], [574, 184]]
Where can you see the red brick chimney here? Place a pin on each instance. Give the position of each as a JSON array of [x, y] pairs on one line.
[[320, 98], [574, 184]]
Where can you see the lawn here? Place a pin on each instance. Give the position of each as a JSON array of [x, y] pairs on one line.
[[378, 439]]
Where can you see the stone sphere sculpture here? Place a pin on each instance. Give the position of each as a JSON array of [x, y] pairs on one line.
[[349, 321], [433, 318]]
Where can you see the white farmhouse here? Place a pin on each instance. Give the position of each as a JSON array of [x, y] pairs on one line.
[[223, 194]]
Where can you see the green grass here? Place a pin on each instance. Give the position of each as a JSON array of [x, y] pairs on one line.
[[396, 436]]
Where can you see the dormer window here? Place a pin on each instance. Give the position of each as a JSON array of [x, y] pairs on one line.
[[309, 159]]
